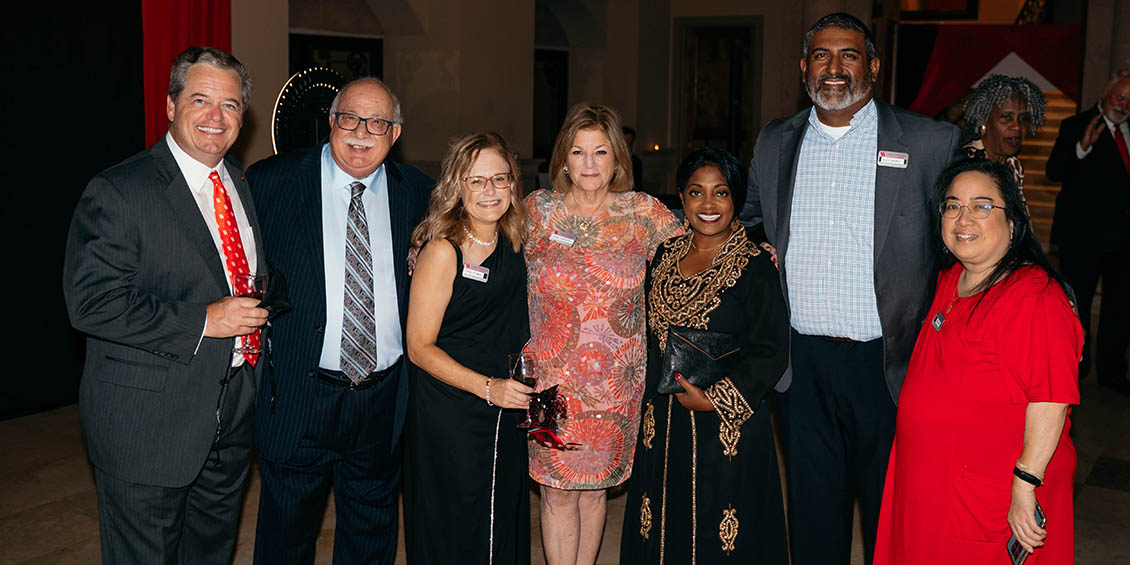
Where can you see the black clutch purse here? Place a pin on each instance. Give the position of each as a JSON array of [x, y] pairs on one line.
[[703, 357]]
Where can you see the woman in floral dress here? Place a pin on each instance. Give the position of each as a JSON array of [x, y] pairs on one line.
[[590, 241]]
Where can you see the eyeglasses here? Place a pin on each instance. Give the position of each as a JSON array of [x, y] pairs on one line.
[[349, 122], [977, 210], [499, 182]]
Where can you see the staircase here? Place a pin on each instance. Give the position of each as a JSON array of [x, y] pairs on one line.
[[1039, 191]]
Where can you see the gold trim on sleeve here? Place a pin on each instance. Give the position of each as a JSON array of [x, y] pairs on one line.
[[648, 425], [728, 529], [733, 411], [645, 516]]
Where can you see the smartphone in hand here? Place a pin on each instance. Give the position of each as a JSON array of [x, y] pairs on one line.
[[1016, 551]]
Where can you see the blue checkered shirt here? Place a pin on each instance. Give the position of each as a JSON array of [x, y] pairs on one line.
[[830, 259]]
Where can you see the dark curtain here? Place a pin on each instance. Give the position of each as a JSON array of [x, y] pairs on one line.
[[72, 107], [170, 27], [964, 53]]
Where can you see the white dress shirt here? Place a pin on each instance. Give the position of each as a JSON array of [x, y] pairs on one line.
[[196, 175], [336, 195]]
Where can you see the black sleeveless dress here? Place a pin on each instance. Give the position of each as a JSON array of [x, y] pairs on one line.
[[466, 498]]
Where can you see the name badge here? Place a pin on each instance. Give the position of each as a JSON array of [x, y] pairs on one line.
[[893, 159], [563, 237], [475, 272]]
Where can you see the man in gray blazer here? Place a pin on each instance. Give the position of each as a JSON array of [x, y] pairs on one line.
[[158, 246], [842, 190]]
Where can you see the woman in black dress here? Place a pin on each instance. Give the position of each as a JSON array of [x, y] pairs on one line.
[[465, 464], [706, 488]]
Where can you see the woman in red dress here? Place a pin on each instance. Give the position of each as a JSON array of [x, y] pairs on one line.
[[982, 415]]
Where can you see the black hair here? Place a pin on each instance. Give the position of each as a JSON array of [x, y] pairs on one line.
[[726, 164], [1023, 249], [842, 20]]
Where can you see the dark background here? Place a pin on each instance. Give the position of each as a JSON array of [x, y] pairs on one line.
[[72, 106]]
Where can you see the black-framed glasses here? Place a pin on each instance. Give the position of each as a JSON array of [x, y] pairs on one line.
[[978, 210], [500, 181], [349, 122]]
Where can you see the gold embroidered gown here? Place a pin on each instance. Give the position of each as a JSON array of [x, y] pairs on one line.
[[706, 488]]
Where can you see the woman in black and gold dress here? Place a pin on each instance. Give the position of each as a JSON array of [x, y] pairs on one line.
[[706, 488]]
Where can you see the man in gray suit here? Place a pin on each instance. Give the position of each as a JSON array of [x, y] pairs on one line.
[[158, 246], [842, 190]]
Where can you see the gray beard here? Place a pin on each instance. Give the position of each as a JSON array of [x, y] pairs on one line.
[[855, 93]]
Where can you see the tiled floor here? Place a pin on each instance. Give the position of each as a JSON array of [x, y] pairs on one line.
[[48, 511]]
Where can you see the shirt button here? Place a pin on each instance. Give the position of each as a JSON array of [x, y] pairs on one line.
[[833, 183], [829, 263]]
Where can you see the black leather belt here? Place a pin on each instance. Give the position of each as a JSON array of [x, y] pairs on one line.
[[340, 379]]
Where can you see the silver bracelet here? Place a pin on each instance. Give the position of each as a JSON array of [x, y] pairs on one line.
[[489, 403]]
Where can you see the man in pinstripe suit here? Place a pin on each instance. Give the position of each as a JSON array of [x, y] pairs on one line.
[[156, 249], [337, 219]]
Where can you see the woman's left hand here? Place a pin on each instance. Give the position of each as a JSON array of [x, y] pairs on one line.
[[1022, 516], [693, 398]]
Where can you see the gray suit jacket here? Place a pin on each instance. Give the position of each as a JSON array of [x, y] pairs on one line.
[[140, 269], [902, 223]]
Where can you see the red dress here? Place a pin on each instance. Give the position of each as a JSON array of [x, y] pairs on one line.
[[960, 426]]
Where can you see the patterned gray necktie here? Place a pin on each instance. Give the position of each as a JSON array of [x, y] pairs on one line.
[[358, 330]]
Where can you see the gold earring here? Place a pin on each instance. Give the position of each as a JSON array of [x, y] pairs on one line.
[[565, 170], [982, 130]]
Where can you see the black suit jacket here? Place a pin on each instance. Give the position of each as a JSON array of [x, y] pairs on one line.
[[902, 223], [288, 193], [1093, 207], [140, 269]]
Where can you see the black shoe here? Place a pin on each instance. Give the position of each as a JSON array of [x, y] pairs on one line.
[[1121, 386]]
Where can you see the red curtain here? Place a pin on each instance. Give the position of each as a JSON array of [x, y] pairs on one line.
[[964, 53], [168, 27]]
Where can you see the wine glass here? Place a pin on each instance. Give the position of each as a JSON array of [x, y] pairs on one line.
[[521, 371], [253, 286]]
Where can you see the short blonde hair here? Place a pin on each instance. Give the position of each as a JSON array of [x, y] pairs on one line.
[[447, 218], [584, 116]]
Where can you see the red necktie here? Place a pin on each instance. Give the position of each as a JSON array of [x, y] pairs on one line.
[[1120, 140], [233, 254]]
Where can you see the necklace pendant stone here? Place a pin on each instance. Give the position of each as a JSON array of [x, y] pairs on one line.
[[939, 319]]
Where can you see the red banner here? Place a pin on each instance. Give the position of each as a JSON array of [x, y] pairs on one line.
[[964, 53], [167, 29]]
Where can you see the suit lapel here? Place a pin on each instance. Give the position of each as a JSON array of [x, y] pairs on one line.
[[398, 222], [244, 191], [887, 179], [789, 156], [309, 213], [187, 212]]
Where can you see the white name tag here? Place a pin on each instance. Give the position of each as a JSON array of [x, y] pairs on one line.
[[893, 159], [475, 272], [563, 237]]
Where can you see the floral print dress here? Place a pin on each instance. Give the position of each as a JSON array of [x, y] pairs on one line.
[[586, 293]]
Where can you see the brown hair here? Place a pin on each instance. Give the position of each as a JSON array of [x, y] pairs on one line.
[[447, 218], [584, 116]]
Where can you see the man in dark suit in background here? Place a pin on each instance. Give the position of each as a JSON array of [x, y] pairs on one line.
[[157, 247], [842, 189], [337, 219], [1092, 223]]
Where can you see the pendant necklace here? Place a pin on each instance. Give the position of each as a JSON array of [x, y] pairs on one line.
[[479, 241], [940, 318]]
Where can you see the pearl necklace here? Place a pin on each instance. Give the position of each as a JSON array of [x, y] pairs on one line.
[[479, 241]]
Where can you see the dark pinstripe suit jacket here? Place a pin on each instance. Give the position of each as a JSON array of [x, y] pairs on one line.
[[287, 190], [140, 269]]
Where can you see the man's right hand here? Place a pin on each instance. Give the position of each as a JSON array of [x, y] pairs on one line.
[[234, 316], [1092, 133]]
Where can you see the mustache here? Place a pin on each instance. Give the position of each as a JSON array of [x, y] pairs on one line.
[[359, 142], [843, 77]]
